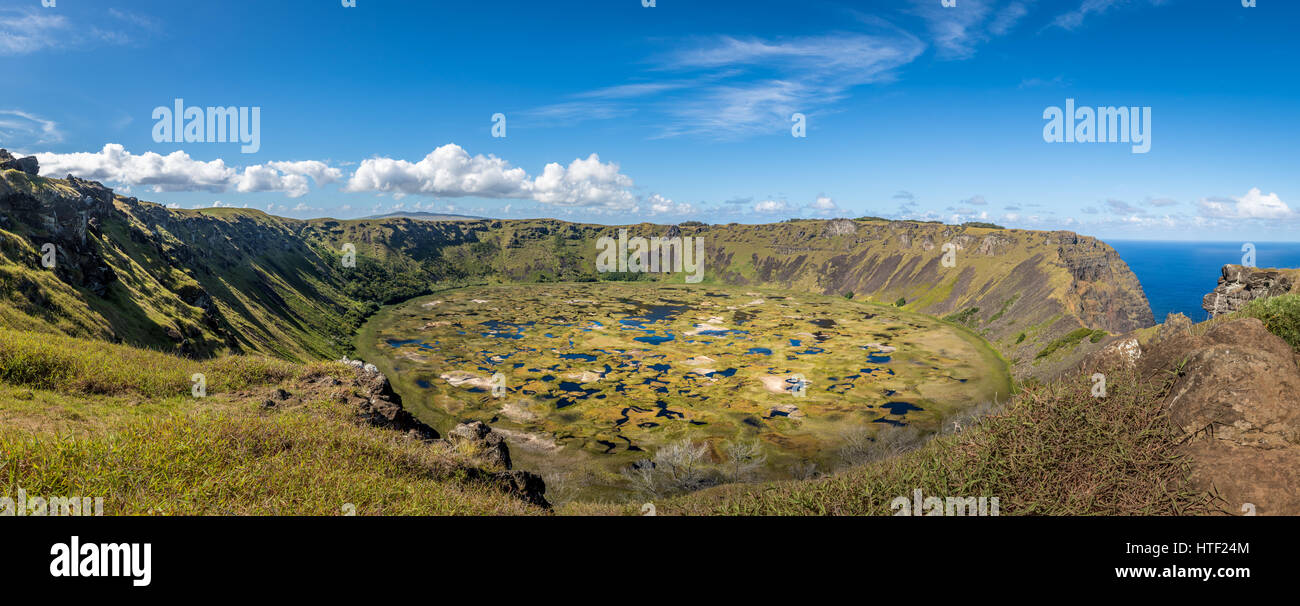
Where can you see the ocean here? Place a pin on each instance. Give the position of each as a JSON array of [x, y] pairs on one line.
[[1176, 275]]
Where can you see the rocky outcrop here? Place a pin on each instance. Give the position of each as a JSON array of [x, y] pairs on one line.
[[1239, 285], [67, 215], [1236, 397], [382, 407], [27, 165], [488, 446]]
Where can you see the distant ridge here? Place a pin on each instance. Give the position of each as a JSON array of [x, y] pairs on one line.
[[424, 216]]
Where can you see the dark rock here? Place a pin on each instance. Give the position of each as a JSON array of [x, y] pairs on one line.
[[382, 407], [526, 485], [489, 446], [27, 165], [1239, 285]]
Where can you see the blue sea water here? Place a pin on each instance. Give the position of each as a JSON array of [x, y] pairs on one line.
[[1177, 275]]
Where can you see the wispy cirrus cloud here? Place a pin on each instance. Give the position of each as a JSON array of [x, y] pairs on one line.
[[19, 128], [29, 30], [729, 86], [1075, 18]]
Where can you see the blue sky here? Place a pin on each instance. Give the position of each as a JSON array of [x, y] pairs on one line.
[[618, 113]]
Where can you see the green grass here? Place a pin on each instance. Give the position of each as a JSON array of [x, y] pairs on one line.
[[1280, 315], [87, 418], [72, 365], [962, 317], [1071, 340], [209, 464], [1055, 450]]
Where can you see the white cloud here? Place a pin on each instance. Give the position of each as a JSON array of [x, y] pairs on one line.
[[587, 183], [1254, 205], [1075, 18], [34, 29], [23, 32], [265, 178], [660, 205], [449, 171], [320, 172], [772, 206], [178, 171], [823, 203]]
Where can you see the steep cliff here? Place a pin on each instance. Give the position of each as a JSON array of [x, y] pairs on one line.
[[201, 282]]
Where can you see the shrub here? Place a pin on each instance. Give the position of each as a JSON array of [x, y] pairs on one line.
[[1280, 315]]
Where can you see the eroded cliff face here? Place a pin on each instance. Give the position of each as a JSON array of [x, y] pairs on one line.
[[66, 214], [1239, 285], [206, 281]]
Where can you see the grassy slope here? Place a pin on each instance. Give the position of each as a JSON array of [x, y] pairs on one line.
[[1055, 450], [87, 418]]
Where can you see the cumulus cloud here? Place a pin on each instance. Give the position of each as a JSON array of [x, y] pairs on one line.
[[660, 205], [587, 183], [449, 171], [1254, 205], [823, 203], [265, 178], [177, 171], [772, 206]]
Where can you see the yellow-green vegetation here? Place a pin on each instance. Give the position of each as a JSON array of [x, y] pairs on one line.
[[1055, 450], [1072, 339], [1280, 315], [599, 376], [88, 418]]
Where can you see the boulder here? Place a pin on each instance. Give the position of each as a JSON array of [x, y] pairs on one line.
[[490, 447], [27, 165], [1237, 397], [526, 485]]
